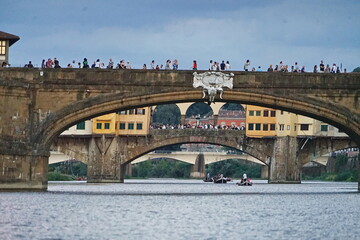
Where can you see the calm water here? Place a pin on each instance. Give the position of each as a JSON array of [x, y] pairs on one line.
[[182, 209]]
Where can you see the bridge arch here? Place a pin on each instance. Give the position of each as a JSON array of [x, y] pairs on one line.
[[84, 109]]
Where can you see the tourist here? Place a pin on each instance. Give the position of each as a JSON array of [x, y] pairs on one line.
[[315, 69], [194, 66], [333, 69], [211, 65], [49, 63], [327, 69], [281, 67], [110, 64], [270, 69], [296, 67], [144, 66], [302, 69], [247, 65], [152, 64], [175, 64], [222, 65], [85, 63], [259, 69], [276, 69], [168, 64], [79, 65], [227, 65], [30, 65], [97, 63], [322, 66], [56, 63], [43, 65]]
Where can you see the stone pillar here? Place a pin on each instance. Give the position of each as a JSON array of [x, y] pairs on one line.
[[27, 173], [123, 172], [104, 160], [198, 169], [182, 119], [285, 166], [128, 171], [216, 117], [264, 171]]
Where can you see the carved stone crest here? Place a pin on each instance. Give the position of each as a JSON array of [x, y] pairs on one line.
[[213, 82]]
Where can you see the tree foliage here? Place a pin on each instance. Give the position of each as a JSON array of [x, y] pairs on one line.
[[161, 168], [357, 69], [166, 114], [199, 108], [234, 168]]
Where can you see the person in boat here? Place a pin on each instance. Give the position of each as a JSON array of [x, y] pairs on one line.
[[244, 178], [208, 176]]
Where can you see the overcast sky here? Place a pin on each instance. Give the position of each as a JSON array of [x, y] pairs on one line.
[[139, 31]]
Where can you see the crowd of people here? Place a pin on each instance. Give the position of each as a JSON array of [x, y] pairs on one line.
[[201, 126], [174, 65]]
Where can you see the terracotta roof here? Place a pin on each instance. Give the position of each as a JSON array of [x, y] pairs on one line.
[[7, 36]]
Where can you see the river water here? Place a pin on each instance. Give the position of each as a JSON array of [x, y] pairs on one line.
[[182, 209]]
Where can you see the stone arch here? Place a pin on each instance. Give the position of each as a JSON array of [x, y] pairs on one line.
[[84, 109]]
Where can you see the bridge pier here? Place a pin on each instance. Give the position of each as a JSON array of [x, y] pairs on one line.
[[264, 171], [104, 160], [23, 172], [198, 169], [284, 165]]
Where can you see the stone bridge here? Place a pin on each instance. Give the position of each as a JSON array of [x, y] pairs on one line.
[[108, 156], [36, 105]]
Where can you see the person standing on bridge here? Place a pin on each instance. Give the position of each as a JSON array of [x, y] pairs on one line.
[[194, 67], [247, 65]]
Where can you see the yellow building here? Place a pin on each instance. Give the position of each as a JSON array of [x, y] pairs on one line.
[[286, 123], [260, 121], [128, 122], [6, 40]]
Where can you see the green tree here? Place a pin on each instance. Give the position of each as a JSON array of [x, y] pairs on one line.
[[166, 114], [199, 108], [357, 69]]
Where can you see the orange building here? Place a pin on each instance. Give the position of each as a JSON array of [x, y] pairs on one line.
[[261, 122]]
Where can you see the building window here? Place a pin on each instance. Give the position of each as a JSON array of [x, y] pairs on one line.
[[282, 112], [304, 127], [281, 127], [80, 126], [140, 111], [122, 113], [324, 128], [272, 127], [251, 113], [131, 111], [107, 126], [122, 126], [257, 126], [288, 127], [131, 126], [139, 126], [98, 125], [2, 47], [265, 127], [273, 113], [251, 126], [266, 113], [294, 127], [258, 113]]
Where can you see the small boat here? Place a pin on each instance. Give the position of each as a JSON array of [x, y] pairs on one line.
[[208, 180], [244, 183], [220, 180]]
